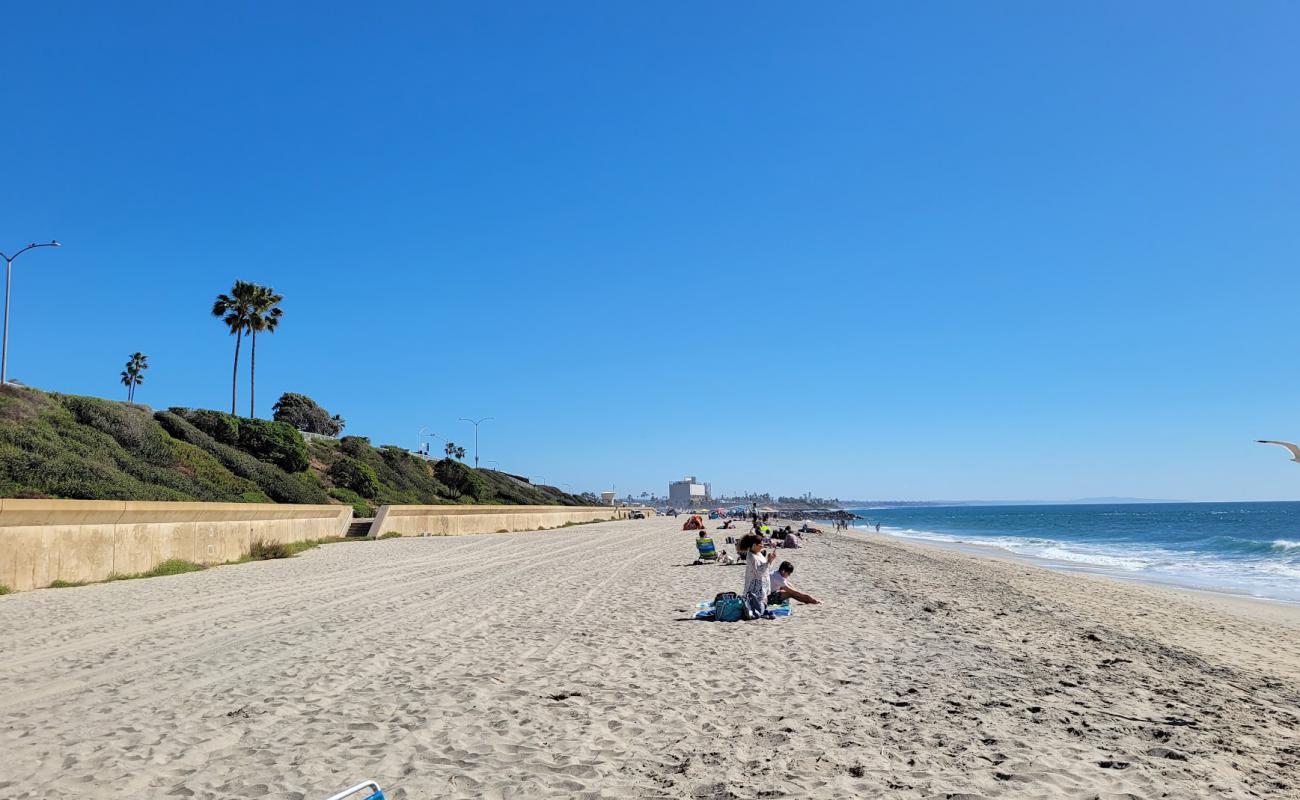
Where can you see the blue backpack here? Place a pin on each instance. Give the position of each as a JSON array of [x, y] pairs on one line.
[[728, 607]]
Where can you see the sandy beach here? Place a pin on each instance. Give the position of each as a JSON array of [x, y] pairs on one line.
[[565, 664]]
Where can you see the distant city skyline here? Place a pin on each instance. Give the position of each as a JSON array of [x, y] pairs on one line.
[[861, 250]]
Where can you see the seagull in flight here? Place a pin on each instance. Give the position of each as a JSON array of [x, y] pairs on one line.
[[1295, 451]]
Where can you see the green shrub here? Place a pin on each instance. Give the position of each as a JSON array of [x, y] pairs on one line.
[[222, 427], [353, 474], [390, 535], [272, 481], [461, 479], [5, 589], [274, 442], [262, 551], [359, 505], [65, 584], [174, 566], [303, 413], [355, 446]]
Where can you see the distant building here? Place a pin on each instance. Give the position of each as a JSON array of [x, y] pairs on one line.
[[688, 493]]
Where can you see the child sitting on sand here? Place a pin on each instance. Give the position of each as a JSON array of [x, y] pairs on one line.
[[783, 589], [758, 583]]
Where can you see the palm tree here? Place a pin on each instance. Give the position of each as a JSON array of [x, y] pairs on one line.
[[264, 316], [449, 449], [460, 453], [133, 375], [234, 309]]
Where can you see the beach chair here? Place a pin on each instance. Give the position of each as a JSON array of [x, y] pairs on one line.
[[354, 793], [707, 551]]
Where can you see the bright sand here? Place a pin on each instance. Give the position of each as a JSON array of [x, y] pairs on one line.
[[563, 664]]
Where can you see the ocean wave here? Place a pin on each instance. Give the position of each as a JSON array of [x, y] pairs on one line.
[[1225, 563]]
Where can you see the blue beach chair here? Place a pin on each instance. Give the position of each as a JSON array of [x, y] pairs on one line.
[[353, 793]]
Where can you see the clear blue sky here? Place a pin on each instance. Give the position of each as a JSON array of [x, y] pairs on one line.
[[938, 250]]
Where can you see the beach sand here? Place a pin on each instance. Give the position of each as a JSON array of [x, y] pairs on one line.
[[564, 664]]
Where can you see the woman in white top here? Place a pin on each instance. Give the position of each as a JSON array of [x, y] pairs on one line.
[[758, 581]]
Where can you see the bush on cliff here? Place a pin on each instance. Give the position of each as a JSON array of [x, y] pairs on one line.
[[352, 474], [64, 446], [466, 482], [275, 443], [359, 505], [305, 414], [274, 482]]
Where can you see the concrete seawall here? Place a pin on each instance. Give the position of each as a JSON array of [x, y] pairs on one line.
[[458, 520], [42, 541]]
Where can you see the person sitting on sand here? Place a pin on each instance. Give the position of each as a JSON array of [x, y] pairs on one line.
[[782, 589], [705, 547], [758, 581]]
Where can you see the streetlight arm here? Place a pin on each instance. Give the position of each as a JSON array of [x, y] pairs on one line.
[[29, 247]]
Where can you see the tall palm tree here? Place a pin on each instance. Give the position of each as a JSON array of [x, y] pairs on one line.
[[264, 316], [133, 375], [234, 309]]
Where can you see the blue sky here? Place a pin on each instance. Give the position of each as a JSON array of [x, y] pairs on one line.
[[941, 250]]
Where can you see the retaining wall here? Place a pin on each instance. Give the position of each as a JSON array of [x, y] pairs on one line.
[[457, 520], [42, 541]]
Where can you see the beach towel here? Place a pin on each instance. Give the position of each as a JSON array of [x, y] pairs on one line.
[[708, 610]]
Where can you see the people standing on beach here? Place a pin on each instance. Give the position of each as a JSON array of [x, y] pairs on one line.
[[877, 527], [758, 580]]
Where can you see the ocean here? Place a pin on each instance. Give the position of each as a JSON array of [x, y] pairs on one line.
[[1241, 548]]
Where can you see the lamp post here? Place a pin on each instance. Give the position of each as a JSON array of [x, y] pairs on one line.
[[419, 441], [9, 269], [494, 461], [475, 423], [539, 480]]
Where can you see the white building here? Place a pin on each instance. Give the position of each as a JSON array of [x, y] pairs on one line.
[[688, 493]]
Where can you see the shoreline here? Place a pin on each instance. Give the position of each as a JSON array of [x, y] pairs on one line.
[[1076, 568]]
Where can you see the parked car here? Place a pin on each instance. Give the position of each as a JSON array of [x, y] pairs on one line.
[[637, 515]]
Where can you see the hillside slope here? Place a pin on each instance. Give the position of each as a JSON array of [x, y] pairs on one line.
[[68, 446]]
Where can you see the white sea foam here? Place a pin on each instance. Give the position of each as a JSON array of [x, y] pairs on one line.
[[1265, 577]]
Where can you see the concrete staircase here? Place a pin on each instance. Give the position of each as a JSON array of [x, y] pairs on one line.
[[360, 528]]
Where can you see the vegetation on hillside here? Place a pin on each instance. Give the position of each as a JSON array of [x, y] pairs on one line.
[[306, 415], [68, 446]]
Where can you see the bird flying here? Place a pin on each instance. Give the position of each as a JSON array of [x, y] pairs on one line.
[[1295, 451]]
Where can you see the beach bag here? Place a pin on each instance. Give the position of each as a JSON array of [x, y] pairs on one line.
[[728, 607]]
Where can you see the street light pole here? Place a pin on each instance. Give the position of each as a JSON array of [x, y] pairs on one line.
[[475, 423], [494, 461], [9, 269]]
